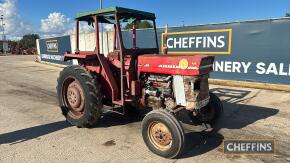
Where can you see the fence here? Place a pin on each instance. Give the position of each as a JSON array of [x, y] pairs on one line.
[[255, 51]]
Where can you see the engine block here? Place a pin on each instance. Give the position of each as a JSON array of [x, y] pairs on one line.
[[172, 91]]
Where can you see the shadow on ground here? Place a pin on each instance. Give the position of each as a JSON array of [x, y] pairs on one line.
[[237, 113], [112, 119], [237, 116], [31, 133]]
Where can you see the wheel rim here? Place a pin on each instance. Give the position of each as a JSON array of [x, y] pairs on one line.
[[74, 98], [160, 136]]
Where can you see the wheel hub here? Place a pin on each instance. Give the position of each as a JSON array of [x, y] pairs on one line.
[[75, 98], [160, 135]]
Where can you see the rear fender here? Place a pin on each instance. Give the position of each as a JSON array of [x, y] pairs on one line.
[[79, 56], [98, 64]]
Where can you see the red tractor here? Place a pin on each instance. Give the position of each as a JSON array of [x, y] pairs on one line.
[[175, 87]]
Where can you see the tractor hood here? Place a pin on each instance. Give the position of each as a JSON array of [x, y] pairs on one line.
[[186, 65]]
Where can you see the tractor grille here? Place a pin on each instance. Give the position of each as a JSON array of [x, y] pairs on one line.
[[196, 91]]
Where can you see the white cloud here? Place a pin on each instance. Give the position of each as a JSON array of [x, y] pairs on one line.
[[108, 27], [85, 28], [55, 24], [15, 27]]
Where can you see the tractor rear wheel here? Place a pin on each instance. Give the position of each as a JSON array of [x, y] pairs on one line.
[[79, 96], [163, 134]]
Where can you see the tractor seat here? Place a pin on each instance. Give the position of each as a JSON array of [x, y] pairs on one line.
[[113, 58]]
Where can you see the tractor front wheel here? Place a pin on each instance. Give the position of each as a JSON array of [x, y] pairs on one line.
[[163, 134], [213, 112], [79, 96]]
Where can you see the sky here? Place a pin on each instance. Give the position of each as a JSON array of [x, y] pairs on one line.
[[56, 17]]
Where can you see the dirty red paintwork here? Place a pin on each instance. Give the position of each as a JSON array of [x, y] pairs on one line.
[[147, 63], [119, 73], [82, 55], [169, 64]]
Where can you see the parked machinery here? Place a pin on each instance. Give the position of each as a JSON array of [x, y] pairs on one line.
[[138, 76]]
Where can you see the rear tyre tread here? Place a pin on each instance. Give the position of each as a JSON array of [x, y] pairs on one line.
[[93, 103]]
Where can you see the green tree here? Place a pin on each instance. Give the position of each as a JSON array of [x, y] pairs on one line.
[[28, 41], [139, 25], [287, 15], [12, 44]]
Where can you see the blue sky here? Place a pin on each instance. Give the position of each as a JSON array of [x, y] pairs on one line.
[[172, 12]]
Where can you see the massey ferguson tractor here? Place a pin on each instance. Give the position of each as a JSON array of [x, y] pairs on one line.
[[174, 87]]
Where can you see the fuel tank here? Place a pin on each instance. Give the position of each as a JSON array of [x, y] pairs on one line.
[[186, 65]]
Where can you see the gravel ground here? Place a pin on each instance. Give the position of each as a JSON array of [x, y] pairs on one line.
[[32, 128]]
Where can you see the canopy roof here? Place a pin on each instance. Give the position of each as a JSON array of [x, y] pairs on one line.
[[119, 10]]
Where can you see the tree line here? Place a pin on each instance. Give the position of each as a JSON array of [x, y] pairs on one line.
[[27, 41]]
